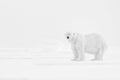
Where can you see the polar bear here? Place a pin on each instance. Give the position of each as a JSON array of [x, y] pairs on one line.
[[90, 43]]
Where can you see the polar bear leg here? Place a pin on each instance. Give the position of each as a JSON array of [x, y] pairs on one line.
[[98, 55], [75, 53], [80, 55]]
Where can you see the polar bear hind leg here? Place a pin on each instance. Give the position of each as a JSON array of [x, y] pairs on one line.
[[99, 54]]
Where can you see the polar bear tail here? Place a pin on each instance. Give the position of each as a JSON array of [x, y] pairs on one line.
[[105, 47]]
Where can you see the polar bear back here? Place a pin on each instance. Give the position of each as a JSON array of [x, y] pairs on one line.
[[93, 42], [89, 43]]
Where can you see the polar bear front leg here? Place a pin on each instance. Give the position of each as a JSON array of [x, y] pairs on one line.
[[80, 55], [75, 53]]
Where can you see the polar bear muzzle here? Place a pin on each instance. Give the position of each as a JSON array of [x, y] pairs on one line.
[[67, 37]]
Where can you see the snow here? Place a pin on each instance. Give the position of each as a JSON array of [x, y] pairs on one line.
[[57, 65]]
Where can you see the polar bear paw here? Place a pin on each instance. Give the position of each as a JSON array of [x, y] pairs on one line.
[[96, 59], [75, 59]]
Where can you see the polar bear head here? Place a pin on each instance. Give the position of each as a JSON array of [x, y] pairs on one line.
[[71, 36], [68, 35]]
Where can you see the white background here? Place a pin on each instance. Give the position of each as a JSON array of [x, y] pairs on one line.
[[29, 23], [40, 25]]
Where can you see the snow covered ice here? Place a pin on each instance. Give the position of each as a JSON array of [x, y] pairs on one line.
[[32, 65]]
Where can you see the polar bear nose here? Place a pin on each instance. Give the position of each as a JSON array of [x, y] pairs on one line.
[[67, 37]]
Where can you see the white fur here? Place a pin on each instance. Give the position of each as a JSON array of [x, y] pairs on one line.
[[90, 43]]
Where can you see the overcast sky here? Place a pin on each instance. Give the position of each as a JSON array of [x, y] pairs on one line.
[[32, 23]]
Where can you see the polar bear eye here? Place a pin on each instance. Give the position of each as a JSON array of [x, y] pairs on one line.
[[67, 37]]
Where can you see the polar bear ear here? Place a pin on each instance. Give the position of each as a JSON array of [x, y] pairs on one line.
[[73, 33], [67, 33]]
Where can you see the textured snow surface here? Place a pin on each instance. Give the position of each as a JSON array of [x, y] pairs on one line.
[[36, 64]]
